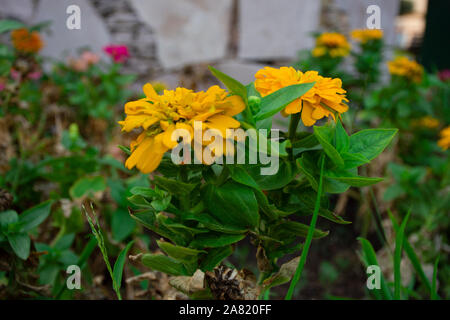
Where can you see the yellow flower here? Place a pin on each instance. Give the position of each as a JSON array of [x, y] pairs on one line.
[[403, 67], [319, 51], [365, 35], [324, 99], [159, 86], [25, 41], [160, 115], [427, 122], [334, 43], [444, 142]]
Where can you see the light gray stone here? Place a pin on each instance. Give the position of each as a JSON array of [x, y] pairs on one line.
[[241, 71], [62, 41], [189, 31], [357, 15], [276, 29], [17, 9]]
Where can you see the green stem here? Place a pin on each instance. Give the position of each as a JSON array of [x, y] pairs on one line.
[[312, 226], [293, 124]]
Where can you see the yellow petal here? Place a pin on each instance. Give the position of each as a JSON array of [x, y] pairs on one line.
[[237, 105], [149, 92], [293, 107], [307, 111]]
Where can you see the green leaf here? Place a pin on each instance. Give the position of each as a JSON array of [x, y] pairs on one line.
[[214, 257], [212, 224], [371, 142], [300, 229], [240, 175], [353, 160], [434, 294], [278, 100], [232, 204], [20, 243], [214, 240], [233, 85], [284, 175], [399, 240], [34, 216], [323, 134], [371, 259], [120, 263], [65, 242], [412, 256], [122, 225], [8, 25], [143, 191], [164, 264], [342, 139], [174, 186], [8, 217], [87, 186], [183, 254], [356, 181]]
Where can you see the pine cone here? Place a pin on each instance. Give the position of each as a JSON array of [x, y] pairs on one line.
[[231, 284], [6, 200]]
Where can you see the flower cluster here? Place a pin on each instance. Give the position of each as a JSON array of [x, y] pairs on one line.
[[444, 142], [366, 35], [86, 59], [160, 115], [325, 98], [334, 44], [427, 122], [118, 53], [26, 41], [404, 67]]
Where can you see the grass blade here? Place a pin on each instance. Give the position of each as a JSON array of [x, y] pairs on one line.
[[371, 259], [120, 263], [412, 257], [101, 244], [434, 295], [399, 239], [312, 227]]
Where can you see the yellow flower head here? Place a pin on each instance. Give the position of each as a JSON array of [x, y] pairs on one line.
[[324, 99], [160, 115], [26, 41], [159, 86], [335, 44], [403, 67], [427, 122], [366, 35], [444, 142]]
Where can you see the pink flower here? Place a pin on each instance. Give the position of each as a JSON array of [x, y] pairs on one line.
[[119, 53], [90, 57], [444, 75], [35, 75], [2, 86], [15, 74]]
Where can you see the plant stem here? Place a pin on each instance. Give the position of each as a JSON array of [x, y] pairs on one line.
[[293, 124], [312, 226]]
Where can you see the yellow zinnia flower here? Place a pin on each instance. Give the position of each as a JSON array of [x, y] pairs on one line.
[[365, 35], [427, 122], [26, 41], [444, 142], [160, 115], [404, 67], [335, 44], [322, 100]]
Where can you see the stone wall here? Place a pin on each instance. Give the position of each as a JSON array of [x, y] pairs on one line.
[[174, 40]]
